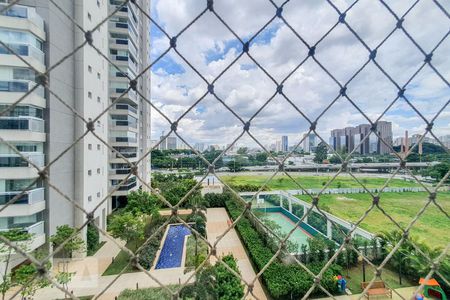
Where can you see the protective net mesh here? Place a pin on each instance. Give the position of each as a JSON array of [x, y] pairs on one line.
[[211, 84]]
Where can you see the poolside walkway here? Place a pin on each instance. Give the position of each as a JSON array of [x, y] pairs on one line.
[[230, 243]]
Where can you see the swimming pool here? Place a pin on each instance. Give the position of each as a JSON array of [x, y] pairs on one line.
[[172, 251], [299, 236]]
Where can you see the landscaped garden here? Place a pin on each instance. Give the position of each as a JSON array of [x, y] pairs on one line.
[[212, 282], [284, 278]]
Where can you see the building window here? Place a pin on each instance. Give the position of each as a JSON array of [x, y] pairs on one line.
[[98, 170], [89, 17], [90, 69], [98, 3], [98, 147], [89, 172], [89, 198], [99, 75], [90, 146], [90, 95], [99, 99], [98, 195]]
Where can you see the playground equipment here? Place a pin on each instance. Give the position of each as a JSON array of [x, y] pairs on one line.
[[341, 282], [432, 289]]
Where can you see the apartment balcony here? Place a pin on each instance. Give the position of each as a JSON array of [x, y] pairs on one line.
[[23, 18], [124, 109], [34, 56], [124, 171], [30, 203], [127, 155], [16, 161], [22, 123], [12, 166], [37, 231], [116, 92], [29, 197], [124, 125], [13, 90], [125, 188], [20, 86]]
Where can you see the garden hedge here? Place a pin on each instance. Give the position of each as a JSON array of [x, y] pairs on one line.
[[282, 280]]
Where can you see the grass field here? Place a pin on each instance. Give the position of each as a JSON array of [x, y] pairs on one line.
[[355, 277], [282, 182], [432, 227]]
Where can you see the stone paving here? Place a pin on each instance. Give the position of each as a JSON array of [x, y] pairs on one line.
[[230, 243]]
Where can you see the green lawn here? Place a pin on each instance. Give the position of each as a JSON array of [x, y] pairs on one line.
[[432, 227], [282, 182], [202, 253], [147, 294], [355, 277], [121, 261]]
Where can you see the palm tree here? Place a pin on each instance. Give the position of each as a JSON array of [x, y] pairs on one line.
[[198, 205]]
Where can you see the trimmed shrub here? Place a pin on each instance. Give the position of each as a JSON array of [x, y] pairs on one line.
[[92, 239]]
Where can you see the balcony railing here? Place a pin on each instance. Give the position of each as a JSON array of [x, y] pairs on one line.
[[20, 86], [126, 107], [131, 94], [120, 139], [29, 197], [24, 50], [121, 25], [23, 12], [127, 187], [36, 228], [15, 161], [124, 171], [124, 123], [126, 154], [22, 123]]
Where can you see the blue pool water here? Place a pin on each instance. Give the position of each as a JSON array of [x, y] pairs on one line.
[[172, 250]]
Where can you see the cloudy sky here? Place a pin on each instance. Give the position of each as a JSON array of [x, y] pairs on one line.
[[210, 47]]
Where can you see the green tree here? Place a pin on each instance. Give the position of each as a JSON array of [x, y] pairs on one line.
[[437, 171], [234, 165], [242, 150], [27, 277], [142, 202], [127, 227], [74, 243], [21, 239], [261, 157], [321, 153], [67, 233]]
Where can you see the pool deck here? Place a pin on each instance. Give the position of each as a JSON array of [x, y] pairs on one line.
[[231, 244]]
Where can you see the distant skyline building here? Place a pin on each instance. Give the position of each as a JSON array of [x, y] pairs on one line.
[[284, 143], [278, 146], [172, 142], [349, 138], [199, 147], [310, 142]]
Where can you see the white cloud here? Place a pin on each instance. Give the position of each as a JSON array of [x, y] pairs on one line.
[[245, 87]]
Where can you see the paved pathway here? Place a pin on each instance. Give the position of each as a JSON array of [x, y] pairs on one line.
[[230, 243], [406, 293]]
